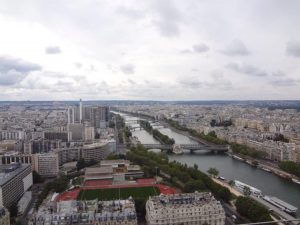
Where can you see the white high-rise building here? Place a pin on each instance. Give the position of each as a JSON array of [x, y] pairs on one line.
[[80, 111]]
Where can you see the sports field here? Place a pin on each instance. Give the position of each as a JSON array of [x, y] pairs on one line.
[[118, 193]]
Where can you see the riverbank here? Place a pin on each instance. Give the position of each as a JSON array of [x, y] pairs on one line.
[[262, 164], [277, 212], [266, 166]]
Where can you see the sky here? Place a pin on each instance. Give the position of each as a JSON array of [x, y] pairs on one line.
[[149, 50]]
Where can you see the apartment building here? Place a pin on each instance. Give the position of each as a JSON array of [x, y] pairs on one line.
[[188, 208], [15, 179]]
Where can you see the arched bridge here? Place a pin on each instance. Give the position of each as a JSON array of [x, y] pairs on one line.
[[191, 147]]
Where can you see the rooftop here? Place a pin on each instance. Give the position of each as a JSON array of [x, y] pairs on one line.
[[7, 172]]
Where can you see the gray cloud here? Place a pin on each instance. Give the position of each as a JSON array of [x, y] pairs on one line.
[[236, 48], [190, 83], [247, 69], [131, 13], [167, 18], [197, 48], [200, 48], [278, 74], [128, 68], [284, 82], [13, 70], [293, 49], [52, 50]]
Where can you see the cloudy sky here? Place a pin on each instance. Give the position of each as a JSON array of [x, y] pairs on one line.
[[149, 49]]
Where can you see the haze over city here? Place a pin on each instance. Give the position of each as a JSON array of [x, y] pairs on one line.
[[149, 50]]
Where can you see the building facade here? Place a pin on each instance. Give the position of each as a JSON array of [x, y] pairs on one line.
[[188, 208], [47, 164], [15, 179]]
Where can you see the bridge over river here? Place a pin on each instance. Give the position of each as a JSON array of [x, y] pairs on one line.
[[191, 147]]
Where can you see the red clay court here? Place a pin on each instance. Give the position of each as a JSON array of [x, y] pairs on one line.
[[68, 195], [166, 190]]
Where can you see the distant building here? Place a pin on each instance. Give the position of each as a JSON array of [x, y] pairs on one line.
[[77, 130], [88, 212], [40, 145], [11, 135], [89, 133], [4, 216], [187, 208], [95, 151], [15, 157], [71, 115], [47, 164], [99, 116], [15, 179], [55, 135]]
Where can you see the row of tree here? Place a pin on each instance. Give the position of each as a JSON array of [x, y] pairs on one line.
[[165, 139], [245, 150], [58, 185], [162, 137], [188, 178], [210, 137], [253, 210], [290, 167]]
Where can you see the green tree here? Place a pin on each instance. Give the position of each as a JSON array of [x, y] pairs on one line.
[[251, 209], [194, 185], [290, 167], [213, 171], [246, 191], [231, 183]]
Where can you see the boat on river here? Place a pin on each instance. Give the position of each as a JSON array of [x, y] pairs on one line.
[[295, 181], [266, 169], [241, 187], [238, 158], [284, 206]]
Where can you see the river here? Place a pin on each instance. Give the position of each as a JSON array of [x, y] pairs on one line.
[[229, 168]]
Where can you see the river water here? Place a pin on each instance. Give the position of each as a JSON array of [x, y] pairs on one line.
[[229, 168]]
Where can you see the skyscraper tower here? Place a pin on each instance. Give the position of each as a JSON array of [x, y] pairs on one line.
[[80, 111]]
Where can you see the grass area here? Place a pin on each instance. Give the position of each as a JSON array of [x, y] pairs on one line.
[[118, 193]]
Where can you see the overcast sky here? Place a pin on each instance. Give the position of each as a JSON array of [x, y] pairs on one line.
[[149, 50]]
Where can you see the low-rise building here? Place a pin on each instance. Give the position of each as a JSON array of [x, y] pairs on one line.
[[188, 208], [92, 212]]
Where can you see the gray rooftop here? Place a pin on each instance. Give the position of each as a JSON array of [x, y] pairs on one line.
[[7, 172]]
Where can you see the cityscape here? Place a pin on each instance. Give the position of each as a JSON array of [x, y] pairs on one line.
[[151, 112]]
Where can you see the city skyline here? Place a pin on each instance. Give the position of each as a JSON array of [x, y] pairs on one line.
[[150, 50]]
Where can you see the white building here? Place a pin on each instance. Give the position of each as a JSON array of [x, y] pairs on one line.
[[46, 164], [188, 208]]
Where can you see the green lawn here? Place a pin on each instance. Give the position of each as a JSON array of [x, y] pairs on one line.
[[118, 193]]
